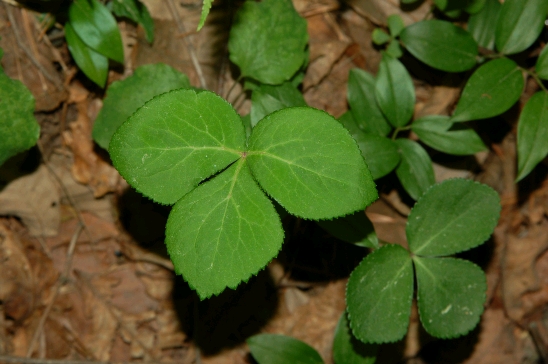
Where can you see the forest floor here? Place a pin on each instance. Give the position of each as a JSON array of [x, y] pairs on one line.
[[84, 274]]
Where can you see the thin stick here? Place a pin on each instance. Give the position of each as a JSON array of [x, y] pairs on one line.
[[188, 42]]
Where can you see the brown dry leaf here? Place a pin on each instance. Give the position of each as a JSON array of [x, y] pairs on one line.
[[389, 224], [35, 199], [379, 10], [437, 102]]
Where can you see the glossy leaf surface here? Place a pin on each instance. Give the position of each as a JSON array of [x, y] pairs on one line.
[[532, 133], [206, 7], [452, 216], [415, 170], [482, 24], [378, 295], [125, 97], [441, 44], [349, 350], [178, 139], [308, 162], [450, 295], [491, 90], [267, 99], [136, 11], [380, 153], [278, 349], [541, 67], [355, 229]]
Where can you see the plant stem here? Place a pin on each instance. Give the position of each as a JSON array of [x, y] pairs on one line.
[[398, 129], [536, 78]]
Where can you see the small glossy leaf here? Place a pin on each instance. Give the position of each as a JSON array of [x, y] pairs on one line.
[[18, 127], [394, 91], [541, 66], [470, 214], [206, 7], [482, 24], [519, 24], [278, 349], [93, 64], [441, 44], [355, 229], [394, 49], [415, 170], [491, 90], [440, 133], [178, 139], [267, 99], [363, 103], [136, 11], [307, 161], [97, 28], [395, 25], [349, 350], [378, 295], [380, 37], [532, 133], [267, 40], [223, 231], [380, 153], [125, 97], [450, 295]]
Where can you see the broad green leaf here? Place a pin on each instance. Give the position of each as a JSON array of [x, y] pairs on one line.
[[206, 7], [348, 121], [441, 44], [450, 295], [482, 24], [93, 64], [18, 127], [267, 40], [280, 349], [393, 49], [415, 170], [519, 24], [349, 350], [97, 28], [452, 216], [532, 133], [380, 153], [440, 133], [363, 103], [355, 229], [541, 66], [267, 99], [474, 6], [378, 295], [394, 91], [178, 139], [395, 25], [380, 37], [125, 97], [491, 90], [136, 11], [223, 232]]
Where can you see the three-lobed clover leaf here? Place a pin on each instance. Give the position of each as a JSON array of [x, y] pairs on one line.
[[189, 149], [451, 217]]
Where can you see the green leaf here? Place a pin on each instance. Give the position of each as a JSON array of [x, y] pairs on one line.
[[306, 161], [441, 45], [380, 153], [136, 11], [395, 25], [349, 350], [474, 6], [380, 37], [519, 24], [267, 40], [532, 133], [541, 66], [178, 139], [267, 99], [280, 349], [18, 127], [415, 170], [363, 103], [125, 97], [470, 214], [394, 49], [378, 295], [450, 295], [205, 12], [451, 6], [440, 133], [93, 64], [491, 90], [355, 229], [97, 28], [394, 91], [223, 231], [482, 24]]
